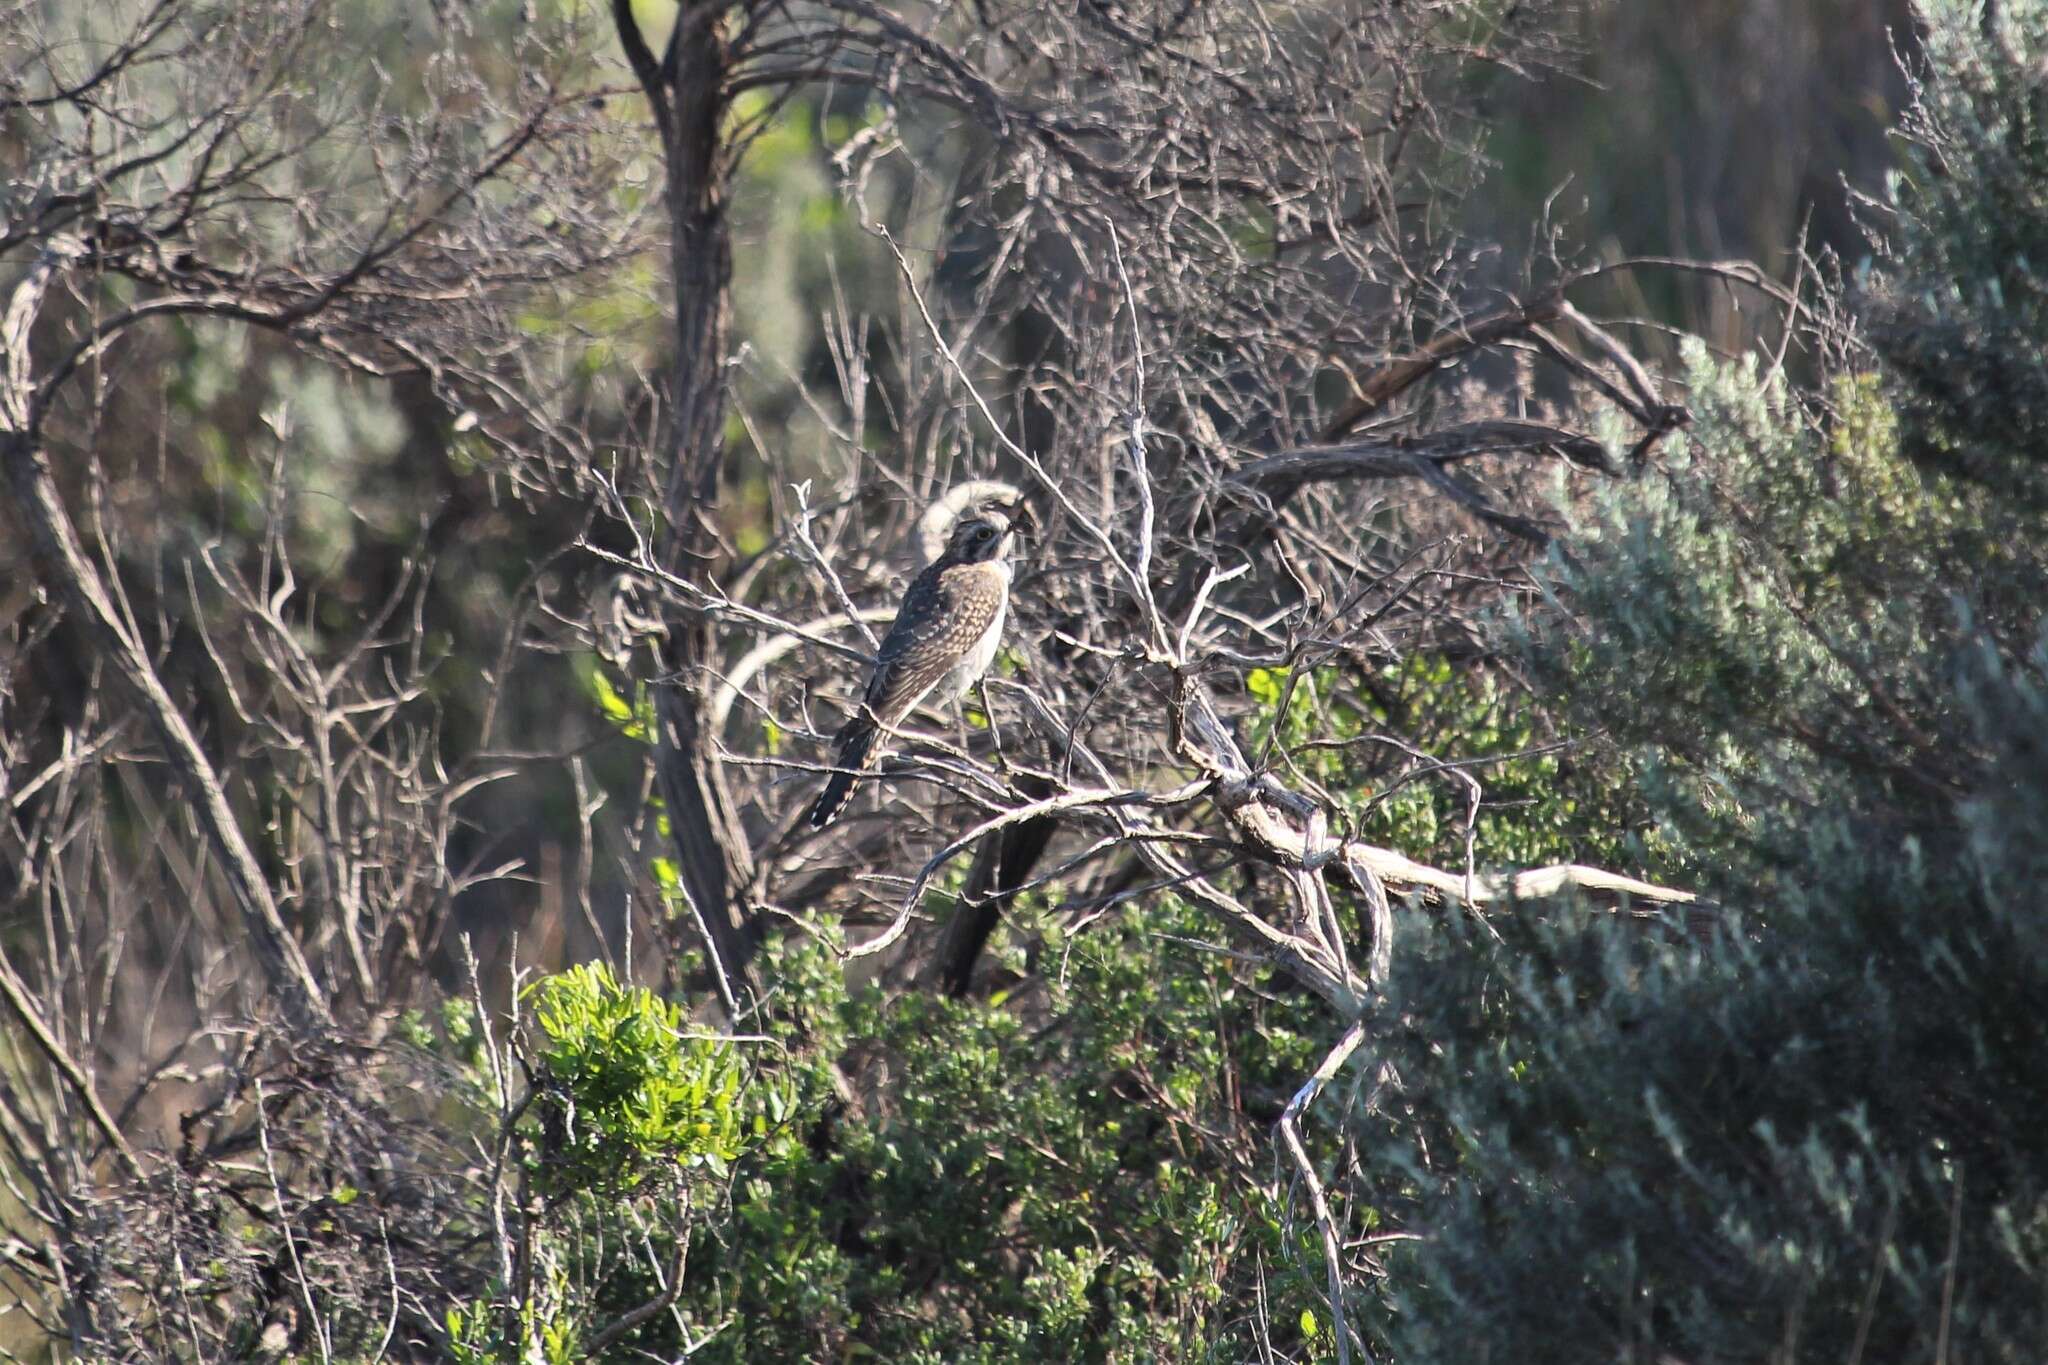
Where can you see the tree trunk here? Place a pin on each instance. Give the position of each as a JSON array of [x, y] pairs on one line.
[[713, 860]]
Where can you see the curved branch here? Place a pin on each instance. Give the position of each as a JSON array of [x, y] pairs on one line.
[[646, 68], [774, 647], [1326, 1224], [1461, 337], [1016, 815], [1536, 883], [1397, 457]]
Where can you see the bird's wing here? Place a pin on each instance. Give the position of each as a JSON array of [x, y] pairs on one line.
[[948, 609]]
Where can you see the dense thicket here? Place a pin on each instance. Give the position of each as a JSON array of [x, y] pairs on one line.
[[1804, 1125]]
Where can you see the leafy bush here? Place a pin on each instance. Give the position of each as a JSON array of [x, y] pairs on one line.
[[624, 1085], [628, 1131], [1958, 309], [1080, 1176], [1801, 1124]]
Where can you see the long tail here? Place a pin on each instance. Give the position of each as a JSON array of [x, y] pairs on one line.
[[856, 742]]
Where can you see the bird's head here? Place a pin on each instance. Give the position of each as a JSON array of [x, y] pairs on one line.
[[977, 539]]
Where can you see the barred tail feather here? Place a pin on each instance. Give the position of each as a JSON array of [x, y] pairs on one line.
[[856, 742]]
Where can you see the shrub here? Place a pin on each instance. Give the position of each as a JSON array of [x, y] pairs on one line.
[[1802, 1124]]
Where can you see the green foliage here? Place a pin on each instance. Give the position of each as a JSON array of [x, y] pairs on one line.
[[1083, 1173], [1796, 1125], [1708, 1141], [1780, 609], [632, 717], [1705, 1146], [1545, 795], [1967, 232], [547, 1336], [624, 1085], [1072, 1177], [634, 1123]]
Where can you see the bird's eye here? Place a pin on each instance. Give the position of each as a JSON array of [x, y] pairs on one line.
[[984, 532]]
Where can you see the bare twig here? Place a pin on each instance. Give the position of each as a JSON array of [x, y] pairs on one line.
[[1326, 1223], [42, 508], [284, 1224]]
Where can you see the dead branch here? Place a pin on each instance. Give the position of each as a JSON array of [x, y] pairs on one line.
[[42, 509]]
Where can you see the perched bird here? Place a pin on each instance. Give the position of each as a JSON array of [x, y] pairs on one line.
[[946, 631]]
